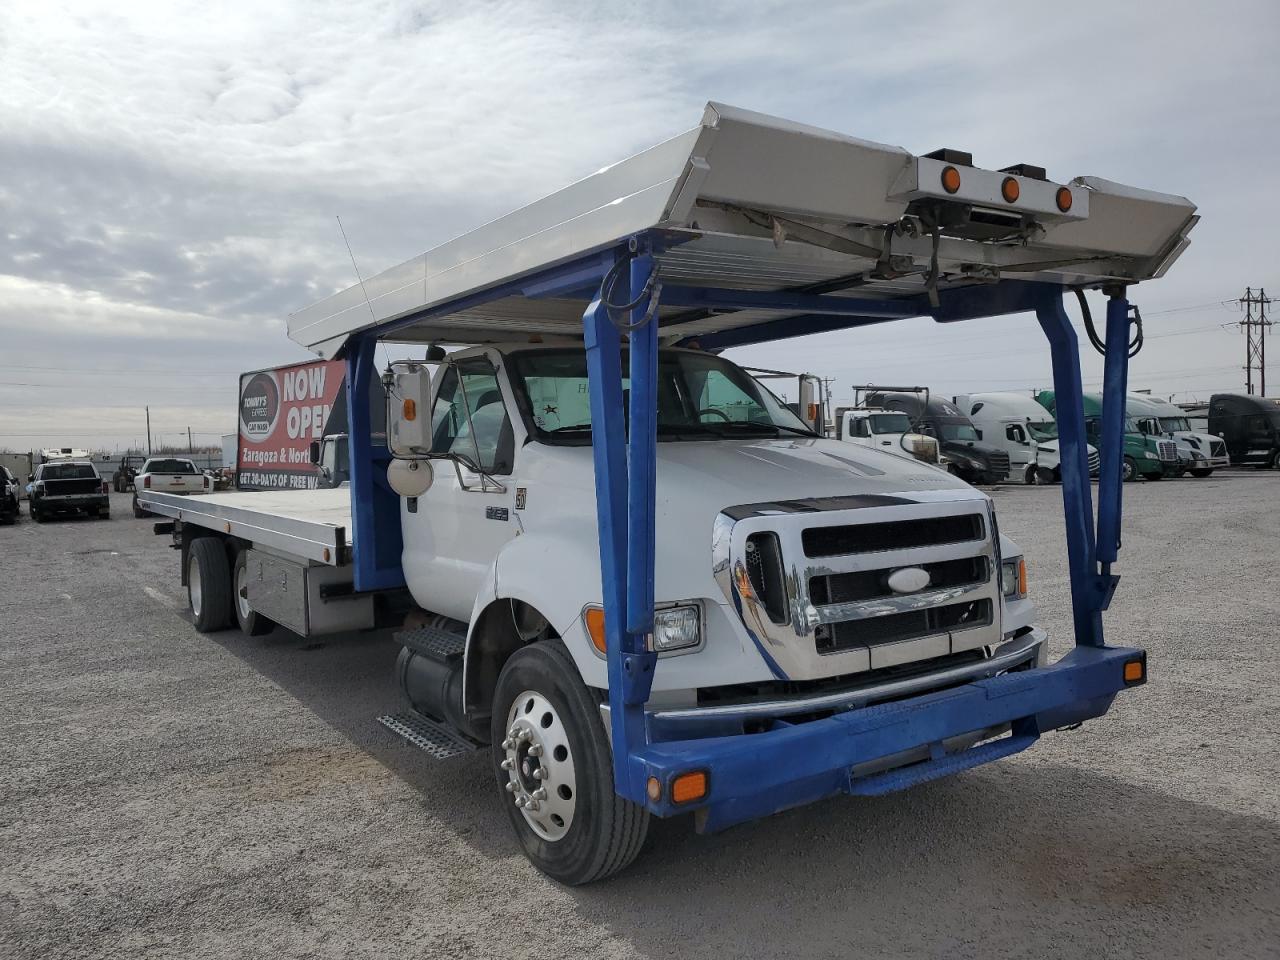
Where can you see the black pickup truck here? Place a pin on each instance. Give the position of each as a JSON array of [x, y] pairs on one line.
[[69, 486]]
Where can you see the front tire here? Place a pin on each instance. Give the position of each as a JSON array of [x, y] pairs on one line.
[[209, 584], [1129, 472], [252, 623], [1201, 474], [550, 749]]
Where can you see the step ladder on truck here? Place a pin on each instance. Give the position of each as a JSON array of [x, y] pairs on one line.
[[749, 617]]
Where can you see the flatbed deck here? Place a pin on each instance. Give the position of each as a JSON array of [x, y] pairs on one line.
[[309, 524]]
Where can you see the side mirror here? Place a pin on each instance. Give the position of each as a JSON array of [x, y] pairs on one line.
[[979, 433], [315, 451], [31, 478]]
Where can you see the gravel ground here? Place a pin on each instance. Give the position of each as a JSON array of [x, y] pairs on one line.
[[166, 794]]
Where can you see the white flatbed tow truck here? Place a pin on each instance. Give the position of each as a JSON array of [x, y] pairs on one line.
[[638, 581]]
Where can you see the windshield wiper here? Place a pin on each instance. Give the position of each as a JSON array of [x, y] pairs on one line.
[[773, 428]]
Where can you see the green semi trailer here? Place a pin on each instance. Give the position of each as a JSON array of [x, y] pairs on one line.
[[1152, 458]]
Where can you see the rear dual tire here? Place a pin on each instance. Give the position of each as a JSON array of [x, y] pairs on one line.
[[209, 584], [252, 623], [541, 698]]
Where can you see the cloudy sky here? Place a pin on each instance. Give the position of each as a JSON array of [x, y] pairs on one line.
[[170, 172]]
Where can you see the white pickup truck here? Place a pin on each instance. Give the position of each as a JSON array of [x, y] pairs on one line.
[[175, 475], [636, 579]]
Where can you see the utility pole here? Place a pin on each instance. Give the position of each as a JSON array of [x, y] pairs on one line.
[[190, 448], [1255, 338], [148, 409]]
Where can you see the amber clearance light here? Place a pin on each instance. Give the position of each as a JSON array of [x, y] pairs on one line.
[[950, 179], [1010, 190], [594, 618], [1064, 199]]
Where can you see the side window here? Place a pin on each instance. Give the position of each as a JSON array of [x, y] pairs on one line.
[[1014, 433], [723, 400], [469, 418], [860, 428]]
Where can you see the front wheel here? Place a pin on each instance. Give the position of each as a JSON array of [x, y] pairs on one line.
[[209, 584], [1129, 472], [554, 766], [1202, 473]]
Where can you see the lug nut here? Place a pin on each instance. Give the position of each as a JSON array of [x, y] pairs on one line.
[[535, 750], [540, 773], [520, 802], [539, 794], [511, 786], [533, 805], [507, 764]]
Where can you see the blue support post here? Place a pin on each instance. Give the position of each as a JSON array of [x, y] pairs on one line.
[[1114, 393], [375, 507], [1077, 498], [642, 450], [630, 665]]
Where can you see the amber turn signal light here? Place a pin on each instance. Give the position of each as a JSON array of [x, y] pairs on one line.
[[689, 787], [950, 179], [594, 618], [1010, 190], [1064, 199], [410, 409], [1135, 672]]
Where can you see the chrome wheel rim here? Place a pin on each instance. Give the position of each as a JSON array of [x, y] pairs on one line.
[[242, 581], [541, 779], [193, 585]]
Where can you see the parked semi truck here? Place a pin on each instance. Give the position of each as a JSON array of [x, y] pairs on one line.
[[1249, 426], [1199, 453], [1025, 431], [640, 584], [968, 456], [892, 431], [1147, 457]]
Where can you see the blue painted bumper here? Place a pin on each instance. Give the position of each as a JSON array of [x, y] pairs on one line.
[[754, 775]]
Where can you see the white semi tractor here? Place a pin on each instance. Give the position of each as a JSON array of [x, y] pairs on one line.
[[1199, 453], [1022, 428], [637, 582]]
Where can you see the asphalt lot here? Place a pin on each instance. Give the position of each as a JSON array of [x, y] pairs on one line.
[[164, 794]]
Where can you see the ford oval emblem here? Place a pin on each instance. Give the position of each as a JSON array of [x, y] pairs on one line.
[[908, 580]]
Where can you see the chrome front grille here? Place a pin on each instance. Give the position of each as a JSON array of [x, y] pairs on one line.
[[811, 585], [1168, 450], [1000, 464], [1095, 463], [1217, 449]]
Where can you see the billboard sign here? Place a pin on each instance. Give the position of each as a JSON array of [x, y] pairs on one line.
[[281, 412]]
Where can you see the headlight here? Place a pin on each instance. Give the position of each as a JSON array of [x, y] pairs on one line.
[[1013, 578], [1149, 455], [676, 628]]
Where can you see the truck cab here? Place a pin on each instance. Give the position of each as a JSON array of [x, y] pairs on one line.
[[1249, 426], [969, 457], [1147, 457], [331, 456], [1199, 453], [889, 431], [1026, 432]]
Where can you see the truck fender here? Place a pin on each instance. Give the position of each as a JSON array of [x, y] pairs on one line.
[[537, 584]]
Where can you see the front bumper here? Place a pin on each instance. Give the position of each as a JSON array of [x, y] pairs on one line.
[[883, 748]]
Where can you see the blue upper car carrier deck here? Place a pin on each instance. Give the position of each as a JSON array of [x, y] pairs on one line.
[[746, 229]]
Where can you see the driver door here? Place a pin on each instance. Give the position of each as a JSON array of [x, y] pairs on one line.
[[465, 518]]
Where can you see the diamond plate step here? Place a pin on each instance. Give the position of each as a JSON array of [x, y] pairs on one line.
[[442, 645], [432, 738]]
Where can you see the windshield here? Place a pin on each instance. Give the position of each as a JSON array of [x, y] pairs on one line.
[[169, 466], [890, 423], [700, 397], [1175, 425], [68, 471], [962, 432], [1043, 430]]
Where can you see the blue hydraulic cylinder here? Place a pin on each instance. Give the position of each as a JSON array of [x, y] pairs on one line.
[[1077, 498], [1114, 394]]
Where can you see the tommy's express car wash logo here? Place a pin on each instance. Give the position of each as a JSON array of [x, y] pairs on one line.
[[259, 406]]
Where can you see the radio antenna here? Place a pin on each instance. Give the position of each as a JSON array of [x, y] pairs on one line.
[[367, 301]]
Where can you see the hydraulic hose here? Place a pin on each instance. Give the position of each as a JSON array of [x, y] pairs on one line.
[[1135, 344]]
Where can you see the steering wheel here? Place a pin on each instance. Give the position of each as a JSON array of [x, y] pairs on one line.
[[719, 413]]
